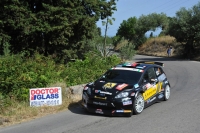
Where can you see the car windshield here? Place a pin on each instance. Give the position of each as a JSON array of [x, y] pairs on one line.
[[123, 76]]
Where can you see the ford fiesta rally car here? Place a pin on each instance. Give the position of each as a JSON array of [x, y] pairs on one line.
[[127, 89]]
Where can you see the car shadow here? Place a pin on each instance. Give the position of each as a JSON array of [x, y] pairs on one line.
[[77, 108]]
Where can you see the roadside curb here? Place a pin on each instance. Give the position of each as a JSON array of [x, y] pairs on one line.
[[77, 89]]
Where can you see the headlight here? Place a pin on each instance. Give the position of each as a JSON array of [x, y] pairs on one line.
[[89, 91], [122, 95]]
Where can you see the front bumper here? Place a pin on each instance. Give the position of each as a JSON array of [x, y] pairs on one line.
[[107, 107]]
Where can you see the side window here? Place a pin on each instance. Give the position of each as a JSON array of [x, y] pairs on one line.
[[146, 77], [158, 71], [151, 74]]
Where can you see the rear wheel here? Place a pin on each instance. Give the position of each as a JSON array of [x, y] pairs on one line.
[[138, 104], [167, 93]]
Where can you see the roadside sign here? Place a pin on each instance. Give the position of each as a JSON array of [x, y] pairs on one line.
[[45, 96]]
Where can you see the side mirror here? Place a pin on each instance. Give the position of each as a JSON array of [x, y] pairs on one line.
[[154, 80]]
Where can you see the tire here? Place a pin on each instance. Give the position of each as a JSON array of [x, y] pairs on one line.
[[138, 104], [167, 92]]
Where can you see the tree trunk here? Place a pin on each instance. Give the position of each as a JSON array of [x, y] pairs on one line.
[[104, 46]]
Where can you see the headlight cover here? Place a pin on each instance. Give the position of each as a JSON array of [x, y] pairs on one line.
[[89, 91], [122, 95]]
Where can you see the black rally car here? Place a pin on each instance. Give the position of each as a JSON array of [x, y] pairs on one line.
[[127, 89]]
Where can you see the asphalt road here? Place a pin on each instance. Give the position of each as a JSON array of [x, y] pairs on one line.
[[180, 114]]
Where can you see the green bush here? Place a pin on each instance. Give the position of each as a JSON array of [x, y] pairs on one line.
[[19, 74]]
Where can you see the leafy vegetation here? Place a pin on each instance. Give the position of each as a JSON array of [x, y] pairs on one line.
[[134, 29], [186, 29], [50, 27], [19, 74]]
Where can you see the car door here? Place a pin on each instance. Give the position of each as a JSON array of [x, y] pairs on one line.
[[150, 84]]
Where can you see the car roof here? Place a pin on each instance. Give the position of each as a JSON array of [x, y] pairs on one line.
[[141, 65]]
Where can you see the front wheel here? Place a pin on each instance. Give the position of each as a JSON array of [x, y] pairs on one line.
[[138, 104], [167, 93]]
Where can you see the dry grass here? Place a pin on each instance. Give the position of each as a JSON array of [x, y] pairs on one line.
[[21, 112], [158, 46]]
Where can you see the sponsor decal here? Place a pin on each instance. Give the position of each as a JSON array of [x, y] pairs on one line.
[[96, 91], [136, 85], [100, 103], [45, 96], [109, 85], [121, 87], [148, 85], [160, 96], [150, 92], [123, 111], [103, 92], [151, 100], [133, 94], [120, 111], [99, 111], [127, 111], [103, 98], [127, 102]]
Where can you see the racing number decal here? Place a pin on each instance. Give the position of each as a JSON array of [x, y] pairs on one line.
[[150, 92], [109, 85]]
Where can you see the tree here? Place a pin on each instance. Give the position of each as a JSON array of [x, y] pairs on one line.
[[185, 27], [112, 5], [51, 27], [127, 29], [125, 48], [134, 29], [127, 51]]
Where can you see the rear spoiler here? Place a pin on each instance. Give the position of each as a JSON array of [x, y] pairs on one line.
[[151, 62]]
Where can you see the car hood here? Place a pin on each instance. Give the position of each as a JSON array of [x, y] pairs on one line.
[[103, 88]]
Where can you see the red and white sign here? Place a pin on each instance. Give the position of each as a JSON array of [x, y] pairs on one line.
[[45, 96], [121, 86]]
